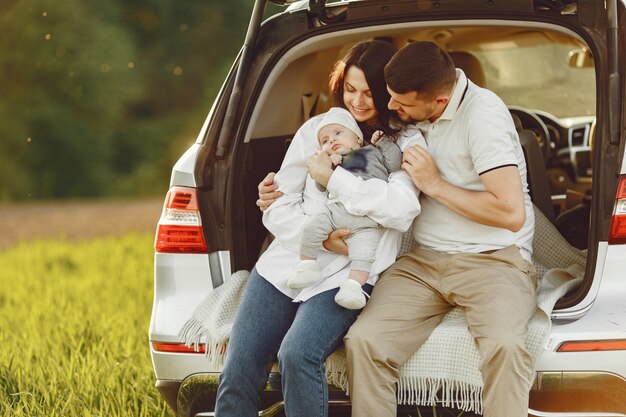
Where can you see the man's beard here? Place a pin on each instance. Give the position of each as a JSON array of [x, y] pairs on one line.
[[405, 118], [408, 119]]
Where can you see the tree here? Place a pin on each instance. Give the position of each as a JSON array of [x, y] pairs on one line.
[[101, 97], [66, 75]]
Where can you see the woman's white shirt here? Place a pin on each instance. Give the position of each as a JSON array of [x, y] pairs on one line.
[[392, 204]]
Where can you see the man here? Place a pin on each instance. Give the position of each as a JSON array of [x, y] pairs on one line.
[[474, 239]]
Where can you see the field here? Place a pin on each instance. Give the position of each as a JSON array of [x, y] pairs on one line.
[[75, 300], [74, 316], [77, 220]]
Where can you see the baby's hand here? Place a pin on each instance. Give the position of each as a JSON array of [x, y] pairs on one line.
[[336, 159], [376, 136]]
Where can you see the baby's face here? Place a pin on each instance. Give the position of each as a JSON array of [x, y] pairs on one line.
[[335, 138]]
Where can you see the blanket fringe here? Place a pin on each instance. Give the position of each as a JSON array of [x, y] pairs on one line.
[[418, 390], [336, 373], [194, 333], [440, 391]]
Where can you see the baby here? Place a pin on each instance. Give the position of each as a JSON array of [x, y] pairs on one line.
[[341, 138]]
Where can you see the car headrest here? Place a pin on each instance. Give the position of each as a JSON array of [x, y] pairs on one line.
[[517, 122], [470, 65]]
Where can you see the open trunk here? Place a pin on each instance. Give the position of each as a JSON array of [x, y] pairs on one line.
[[557, 64]]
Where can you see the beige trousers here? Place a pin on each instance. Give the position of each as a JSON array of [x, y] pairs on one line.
[[497, 291]]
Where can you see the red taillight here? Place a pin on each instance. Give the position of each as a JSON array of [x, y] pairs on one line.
[[617, 235], [180, 228], [182, 198], [592, 345], [177, 348]]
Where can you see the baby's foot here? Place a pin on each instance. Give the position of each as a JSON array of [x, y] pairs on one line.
[[351, 295], [305, 274]]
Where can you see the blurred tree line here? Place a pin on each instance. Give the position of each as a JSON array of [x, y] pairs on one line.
[[100, 97]]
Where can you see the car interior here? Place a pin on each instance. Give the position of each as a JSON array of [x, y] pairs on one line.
[[545, 74]]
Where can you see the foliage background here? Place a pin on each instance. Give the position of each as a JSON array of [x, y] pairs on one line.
[[99, 98]]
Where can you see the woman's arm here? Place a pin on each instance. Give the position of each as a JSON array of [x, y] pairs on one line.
[[285, 217], [392, 204], [281, 195]]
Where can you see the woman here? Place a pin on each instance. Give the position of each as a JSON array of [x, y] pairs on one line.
[[357, 83], [304, 327]]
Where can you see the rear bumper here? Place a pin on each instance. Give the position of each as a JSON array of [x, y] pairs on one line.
[[554, 394], [197, 396], [341, 406], [573, 394]]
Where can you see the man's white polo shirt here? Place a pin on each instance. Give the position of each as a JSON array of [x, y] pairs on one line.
[[475, 134]]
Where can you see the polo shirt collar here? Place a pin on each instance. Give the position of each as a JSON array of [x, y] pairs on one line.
[[457, 96]]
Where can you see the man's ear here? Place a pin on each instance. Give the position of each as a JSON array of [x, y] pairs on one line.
[[443, 100]]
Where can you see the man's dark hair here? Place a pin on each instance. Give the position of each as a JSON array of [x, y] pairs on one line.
[[422, 67]]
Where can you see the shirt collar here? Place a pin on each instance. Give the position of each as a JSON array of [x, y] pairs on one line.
[[457, 96]]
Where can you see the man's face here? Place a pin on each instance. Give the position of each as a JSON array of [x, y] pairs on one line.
[[335, 138], [413, 107]]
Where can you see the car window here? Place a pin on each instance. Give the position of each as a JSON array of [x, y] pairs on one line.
[[539, 77]]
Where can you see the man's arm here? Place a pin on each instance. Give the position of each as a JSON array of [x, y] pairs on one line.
[[500, 205]]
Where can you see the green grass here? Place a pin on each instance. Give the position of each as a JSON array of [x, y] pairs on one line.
[[73, 329]]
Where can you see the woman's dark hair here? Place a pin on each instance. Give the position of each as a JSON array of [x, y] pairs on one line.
[[422, 67], [371, 58]]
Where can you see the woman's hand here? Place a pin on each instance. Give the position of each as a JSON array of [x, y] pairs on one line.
[[267, 192], [320, 167], [335, 242]]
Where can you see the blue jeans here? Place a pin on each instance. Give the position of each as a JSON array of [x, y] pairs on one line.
[[303, 335]]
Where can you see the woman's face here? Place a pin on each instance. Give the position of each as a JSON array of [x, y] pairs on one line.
[[357, 96]]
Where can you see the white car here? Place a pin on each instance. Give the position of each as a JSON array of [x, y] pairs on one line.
[[560, 66]]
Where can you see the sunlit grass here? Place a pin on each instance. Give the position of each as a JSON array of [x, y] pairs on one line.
[[73, 329]]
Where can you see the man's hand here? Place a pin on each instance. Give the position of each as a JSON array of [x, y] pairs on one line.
[[422, 169], [501, 204], [320, 168], [335, 242], [267, 192]]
